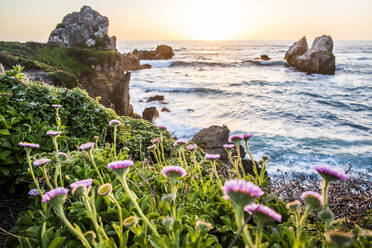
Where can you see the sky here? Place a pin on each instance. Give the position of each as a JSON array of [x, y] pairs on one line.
[[33, 20]]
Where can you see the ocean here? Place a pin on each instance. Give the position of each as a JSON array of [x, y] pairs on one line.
[[298, 120]]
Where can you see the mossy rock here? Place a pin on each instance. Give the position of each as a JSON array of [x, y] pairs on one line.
[[64, 79]]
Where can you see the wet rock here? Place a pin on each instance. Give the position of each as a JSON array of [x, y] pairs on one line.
[[263, 57], [140, 100], [190, 110], [212, 139], [150, 114], [164, 109], [248, 167], [156, 98], [318, 59], [161, 52], [132, 63], [86, 28], [297, 49]]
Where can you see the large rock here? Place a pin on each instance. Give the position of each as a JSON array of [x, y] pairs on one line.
[[150, 114], [318, 59], [161, 52], [86, 28], [212, 139], [297, 49], [132, 63]]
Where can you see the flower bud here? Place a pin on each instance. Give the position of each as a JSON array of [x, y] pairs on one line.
[[265, 158], [168, 198], [339, 239], [90, 235], [293, 205], [104, 189], [130, 221], [203, 227], [325, 215], [168, 222]]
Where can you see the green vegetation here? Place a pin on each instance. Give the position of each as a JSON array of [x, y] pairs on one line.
[[128, 199], [26, 114], [67, 65]]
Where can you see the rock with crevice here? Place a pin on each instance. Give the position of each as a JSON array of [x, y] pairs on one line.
[[318, 59], [86, 28]]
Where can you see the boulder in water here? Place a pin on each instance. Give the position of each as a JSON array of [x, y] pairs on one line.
[[212, 140], [86, 28], [132, 63], [161, 52], [150, 114], [155, 98], [263, 57], [318, 59]]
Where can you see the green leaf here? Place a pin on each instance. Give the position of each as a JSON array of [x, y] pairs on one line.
[[4, 132], [25, 243], [57, 242]]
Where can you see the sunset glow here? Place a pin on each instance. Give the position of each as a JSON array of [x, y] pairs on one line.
[[197, 19]]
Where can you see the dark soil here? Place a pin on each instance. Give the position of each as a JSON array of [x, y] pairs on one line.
[[10, 206]]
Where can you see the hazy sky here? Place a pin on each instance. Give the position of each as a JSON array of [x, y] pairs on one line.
[[196, 19]]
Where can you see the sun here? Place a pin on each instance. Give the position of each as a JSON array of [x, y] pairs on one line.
[[212, 20]]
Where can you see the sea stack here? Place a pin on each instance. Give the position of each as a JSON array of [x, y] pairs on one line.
[[86, 28], [318, 59]]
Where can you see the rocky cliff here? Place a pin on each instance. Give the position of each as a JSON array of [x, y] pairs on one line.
[[79, 53]]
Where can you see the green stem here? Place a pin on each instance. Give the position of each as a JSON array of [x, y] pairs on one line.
[[28, 152], [259, 234], [133, 199], [114, 147], [95, 166], [58, 210], [112, 198], [325, 193], [196, 164], [253, 162], [216, 174], [92, 215], [43, 169], [237, 145], [239, 215], [162, 146]]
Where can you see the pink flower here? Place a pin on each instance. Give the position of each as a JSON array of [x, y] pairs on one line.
[[120, 164], [260, 209], [54, 193], [27, 144], [173, 171], [329, 173], [42, 161], [114, 123], [87, 146], [212, 156], [235, 138]]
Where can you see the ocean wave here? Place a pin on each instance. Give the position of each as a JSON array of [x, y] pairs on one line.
[[180, 63], [264, 62], [183, 90]]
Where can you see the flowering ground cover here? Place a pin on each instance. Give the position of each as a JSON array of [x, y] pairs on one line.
[[100, 180]]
